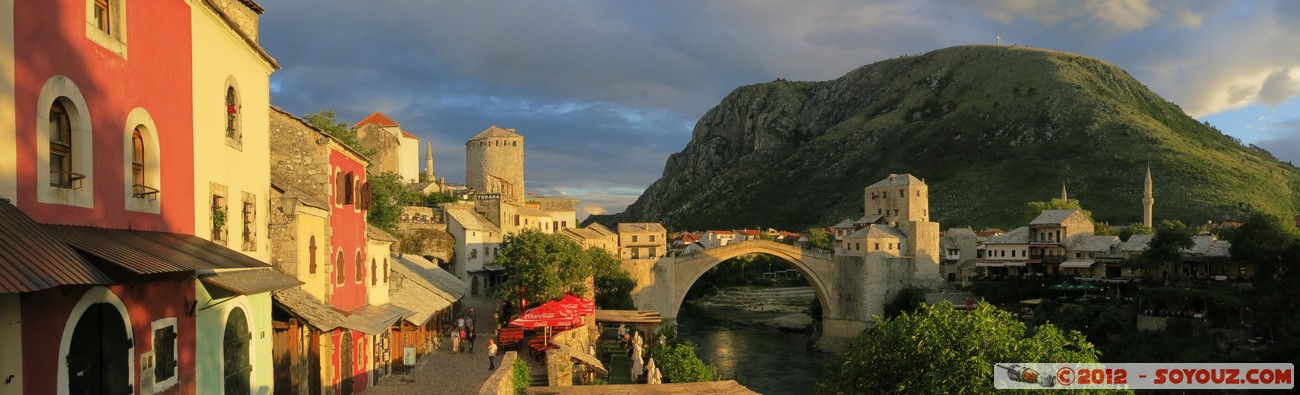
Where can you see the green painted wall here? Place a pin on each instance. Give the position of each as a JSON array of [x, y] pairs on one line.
[[214, 306]]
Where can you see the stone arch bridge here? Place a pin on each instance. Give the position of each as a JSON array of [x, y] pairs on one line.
[[851, 289]]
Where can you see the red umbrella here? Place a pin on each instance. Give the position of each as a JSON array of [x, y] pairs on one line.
[[547, 315], [578, 305]]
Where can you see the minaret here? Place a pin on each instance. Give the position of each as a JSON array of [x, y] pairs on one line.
[[1064, 197], [1147, 200], [428, 164]]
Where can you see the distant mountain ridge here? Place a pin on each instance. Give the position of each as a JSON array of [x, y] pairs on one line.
[[988, 127]]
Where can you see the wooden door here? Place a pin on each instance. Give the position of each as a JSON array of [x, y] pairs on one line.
[[282, 351], [346, 369], [99, 354], [236, 363]]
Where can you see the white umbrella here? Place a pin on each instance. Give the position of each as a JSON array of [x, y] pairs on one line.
[[653, 376], [637, 363]]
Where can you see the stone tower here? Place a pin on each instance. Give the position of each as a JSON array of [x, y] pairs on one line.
[[494, 163], [429, 175], [898, 198], [1148, 200]]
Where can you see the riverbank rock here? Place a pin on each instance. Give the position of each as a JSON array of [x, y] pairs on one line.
[[759, 299], [797, 321]]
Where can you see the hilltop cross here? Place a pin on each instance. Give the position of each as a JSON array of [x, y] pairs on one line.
[[998, 37]]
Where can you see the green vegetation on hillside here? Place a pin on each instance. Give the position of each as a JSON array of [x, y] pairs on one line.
[[989, 128]]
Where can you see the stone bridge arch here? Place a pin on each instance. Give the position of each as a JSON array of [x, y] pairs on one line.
[[814, 266], [852, 289]]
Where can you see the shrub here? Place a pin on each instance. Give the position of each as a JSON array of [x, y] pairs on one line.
[[521, 375]]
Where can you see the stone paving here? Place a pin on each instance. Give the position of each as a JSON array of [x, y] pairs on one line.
[[443, 372]]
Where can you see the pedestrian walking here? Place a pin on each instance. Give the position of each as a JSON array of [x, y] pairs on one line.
[[492, 352], [461, 334], [469, 326], [455, 341]]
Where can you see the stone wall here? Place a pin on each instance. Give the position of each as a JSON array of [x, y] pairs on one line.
[[299, 158], [501, 382], [384, 147], [498, 157], [245, 18]]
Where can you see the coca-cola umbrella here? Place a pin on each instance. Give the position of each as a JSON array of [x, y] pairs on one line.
[[549, 314], [581, 306]]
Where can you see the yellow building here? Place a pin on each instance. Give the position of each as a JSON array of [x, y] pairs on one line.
[[642, 240]]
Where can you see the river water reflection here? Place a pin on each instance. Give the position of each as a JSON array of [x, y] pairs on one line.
[[766, 360]]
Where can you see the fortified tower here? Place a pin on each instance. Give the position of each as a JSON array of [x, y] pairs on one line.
[[494, 163], [903, 202]]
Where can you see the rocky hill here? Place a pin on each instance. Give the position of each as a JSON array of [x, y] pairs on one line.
[[988, 127]]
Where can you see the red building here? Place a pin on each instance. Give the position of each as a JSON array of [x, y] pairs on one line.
[[98, 191]]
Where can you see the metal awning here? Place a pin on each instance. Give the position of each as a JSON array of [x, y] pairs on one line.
[[145, 252], [1015, 264], [637, 317], [492, 267], [305, 306], [991, 264], [33, 259], [373, 320], [249, 281], [1078, 264]]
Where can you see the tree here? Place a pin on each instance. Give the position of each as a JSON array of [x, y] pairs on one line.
[[1167, 245], [1033, 209], [818, 238], [1264, 240], [1134, 229], [1102, 228], [613, 284], [544, 266], [941, 349], [435, 198], [680, 365], [386, 191]]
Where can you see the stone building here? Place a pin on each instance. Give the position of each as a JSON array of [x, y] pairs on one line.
[[1005, 254], [395, 150], [874, 239], [594, 236], [494, 163], [644, 240], [902, 203], [1047, 236], [477, 242], [960, 249]]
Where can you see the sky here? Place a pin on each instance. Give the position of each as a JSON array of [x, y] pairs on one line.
[[604, 90]]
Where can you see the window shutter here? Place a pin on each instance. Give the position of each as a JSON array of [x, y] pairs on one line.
[[338, 188]]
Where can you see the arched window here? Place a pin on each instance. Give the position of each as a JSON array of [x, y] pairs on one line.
[[374, 272], [232, 113], [338, 269], [360, 268], [61, 174], [137, 157], [385, 270], [311, 250], [235, 354]]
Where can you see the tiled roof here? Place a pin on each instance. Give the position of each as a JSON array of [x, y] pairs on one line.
[[377, 119], [1136, 243], [690, 238], [990, 232], [1092, 243], [409, 136], [868, 219], [445, 284], [32, 259], [493, 132], [748, 232], [302, 304], [581, 234], [896, 180], [1053, 217], [601, 229], [374, 319], [1015, 236], [958, 233], [845, 224], [1208, 245], [532, 212], [375, 234], [471, 220], [640, 227], [721, 232], [877, 231]]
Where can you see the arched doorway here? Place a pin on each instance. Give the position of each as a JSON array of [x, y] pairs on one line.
[[346, 367], [99, 354], [235, 352], [474, 286]]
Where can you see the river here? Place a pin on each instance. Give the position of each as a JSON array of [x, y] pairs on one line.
[[766, 360]]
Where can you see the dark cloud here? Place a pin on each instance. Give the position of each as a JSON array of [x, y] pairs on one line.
[[604, 91]]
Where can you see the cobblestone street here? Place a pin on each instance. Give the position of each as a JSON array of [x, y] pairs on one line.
[[444, 372]]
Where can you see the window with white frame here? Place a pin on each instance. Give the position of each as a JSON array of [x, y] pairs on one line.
[[165, 348]]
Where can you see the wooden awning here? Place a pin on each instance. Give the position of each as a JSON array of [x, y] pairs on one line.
[[635, 317]]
